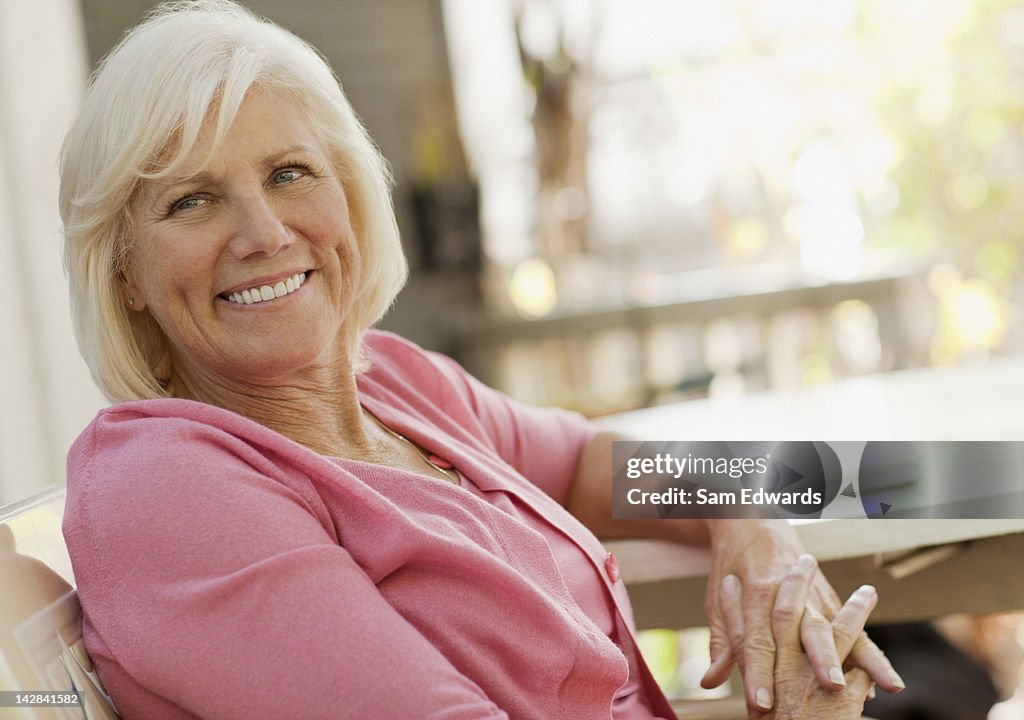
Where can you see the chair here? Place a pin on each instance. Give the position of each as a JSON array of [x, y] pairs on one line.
[[41, 647]]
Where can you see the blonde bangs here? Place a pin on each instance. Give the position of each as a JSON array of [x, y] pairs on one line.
[[149, 99]]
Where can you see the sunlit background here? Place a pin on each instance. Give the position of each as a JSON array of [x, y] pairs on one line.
[[609, 204], [782, 194]]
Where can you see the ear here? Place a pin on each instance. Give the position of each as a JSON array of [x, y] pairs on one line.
[[133, 297]]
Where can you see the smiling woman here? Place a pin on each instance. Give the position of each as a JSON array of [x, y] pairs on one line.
[[247, 216], [142, 134], [287, 514]]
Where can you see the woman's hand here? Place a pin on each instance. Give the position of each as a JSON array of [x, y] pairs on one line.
[[761, 554], [799, 696]]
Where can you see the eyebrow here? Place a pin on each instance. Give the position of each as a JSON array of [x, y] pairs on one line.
[[279, 156], [205, 177]]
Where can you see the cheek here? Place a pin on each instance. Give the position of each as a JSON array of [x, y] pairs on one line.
[[139, 274], [351, 260], [350, 247], [340, 232], [346, 281], [156, 278], [163, 270]]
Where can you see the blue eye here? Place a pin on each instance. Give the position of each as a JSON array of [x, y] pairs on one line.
[[287, 175], [189, 202]]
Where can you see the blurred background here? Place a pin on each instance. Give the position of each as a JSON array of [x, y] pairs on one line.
[[607, 204]]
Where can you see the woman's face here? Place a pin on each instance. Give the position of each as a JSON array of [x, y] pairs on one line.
[[250, 266]]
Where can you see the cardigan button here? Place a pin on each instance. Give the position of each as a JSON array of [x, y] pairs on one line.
[[612, 568], [439, 462]]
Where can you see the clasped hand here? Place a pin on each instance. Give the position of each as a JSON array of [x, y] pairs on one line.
[[786, 650]]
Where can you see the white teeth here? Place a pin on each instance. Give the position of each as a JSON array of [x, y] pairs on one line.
[[266, 292]]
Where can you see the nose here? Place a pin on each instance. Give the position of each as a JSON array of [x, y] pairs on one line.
[[259, 228]]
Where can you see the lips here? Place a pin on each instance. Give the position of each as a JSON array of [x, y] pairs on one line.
[[258, 293]]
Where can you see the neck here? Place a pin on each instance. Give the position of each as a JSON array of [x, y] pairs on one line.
[[318, 408]]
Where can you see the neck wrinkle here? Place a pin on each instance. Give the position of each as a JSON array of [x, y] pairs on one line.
[[319, 409]]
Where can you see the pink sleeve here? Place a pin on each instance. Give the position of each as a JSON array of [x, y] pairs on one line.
[[221, 591], [542, 443]]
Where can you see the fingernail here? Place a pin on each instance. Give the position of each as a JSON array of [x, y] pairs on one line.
[[897, 680], [730, 583], [868, 590], [764, 699], [807, 562], [871, 692], [836, 676]]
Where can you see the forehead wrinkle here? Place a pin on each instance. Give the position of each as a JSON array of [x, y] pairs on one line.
[[204, 148]]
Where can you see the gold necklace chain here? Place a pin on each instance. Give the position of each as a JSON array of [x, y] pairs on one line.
[[449, 474]]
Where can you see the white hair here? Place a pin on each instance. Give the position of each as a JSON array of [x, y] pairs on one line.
[[147, 102]]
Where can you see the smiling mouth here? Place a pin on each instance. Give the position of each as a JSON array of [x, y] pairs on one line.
[[263, 293]]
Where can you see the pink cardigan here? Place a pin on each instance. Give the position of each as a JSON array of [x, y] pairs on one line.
[[228, 572]]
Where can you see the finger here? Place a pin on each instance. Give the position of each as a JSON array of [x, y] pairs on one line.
[[721, 656], [819, 643], [757, 689], [790, 601], [827, 596], [849, 621], [759, 647], [865, 653], [720, 670], [870, 657], [732, 614]]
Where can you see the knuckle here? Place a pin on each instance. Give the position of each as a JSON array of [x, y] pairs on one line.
[[817, 641], [737, 639], [816, 623], [841, 628], [760, 644], [762, 592], [785, 614]]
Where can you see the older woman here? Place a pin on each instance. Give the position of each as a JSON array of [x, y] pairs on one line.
[[287, 515]]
